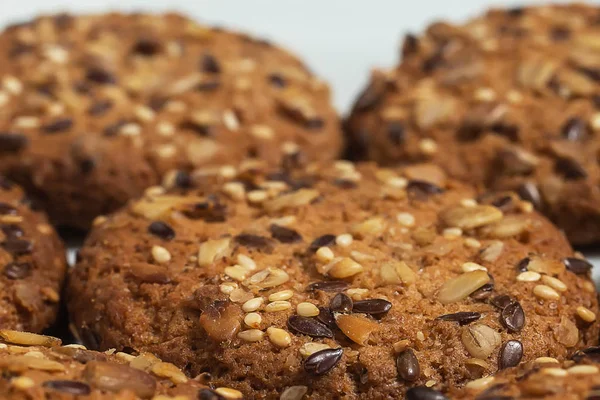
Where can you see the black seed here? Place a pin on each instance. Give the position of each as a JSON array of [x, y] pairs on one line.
[[408, 365], [326, 316], [19, 49], [209, 64], [87, 165], [424, 393], [101, 76], [512, 317], [369, 98], [569, 168], [100, 107], [80, 87], [592, 73], [17, 246], [183, 180], [504, 203], [254, 241], [321, 241], [577, 265], [208, 86], [372, 306], [463, 317], [321, 362], [200, 129], [560, 33], [344, 183], [410, 44], [435, 61], [157, 103], [328, 286], [71, 387], [314, 123], [592, 353], [501, 301], [63, 20], [60, 125], [483, 292], [341, 303], [516, 12], [529, 192], [17, 270], [12, 142], [277, 80], [207, 394], [423, 188], [594, 393], [146, 47], [5, 183], [522, 265], [509, 131], [162, 230], [7, 209], [284, 235], [114, 128], [12, 230], [309, 326], [211, 210], [396, 132], [575, 129], [510, 354]]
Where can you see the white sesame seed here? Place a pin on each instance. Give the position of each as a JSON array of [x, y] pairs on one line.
[[229, 393], [164, 128], [324, 254], [279, 337], [237, 272], [22, 383], [253, 320], [230, 120], [312, 347], [405, 219], [554, 283], [481, 383], [452, 233], [485, 94], [26, 122], [514, 97], [130, 129], [12, 85], [468, 202], [428, 146], [357, 293], [253, 304], [284, 221], [235, 190], [228, 287], [546, 360], [583, 370], [279, 305], [144, 114], [471, 266], [251, 335], [257, 196], [528, 276], [262, 132], [3, 98], [557, 372], [290, 148], [397, 182], [281, 295], [430, 383], [472, 243], [166, 150], [344, 240], [306, 309], [160, 254], [546, 292], [595, 121], [586, 314], [345, 166]]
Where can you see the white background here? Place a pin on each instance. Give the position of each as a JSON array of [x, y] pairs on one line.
[[340, 39]]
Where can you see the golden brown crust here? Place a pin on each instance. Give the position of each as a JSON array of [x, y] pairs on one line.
[[508, 100], [32, 264], [224, 282], [96, 108]]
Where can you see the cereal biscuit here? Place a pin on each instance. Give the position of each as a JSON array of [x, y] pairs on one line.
[[32, 264], [509, 100], [37, 367], [332, 281], [94, 109]]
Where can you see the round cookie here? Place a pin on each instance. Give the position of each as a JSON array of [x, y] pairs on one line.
[[544, 378], [37, 367], [94, 109], [32, 264], [334, 280], [509, 100]]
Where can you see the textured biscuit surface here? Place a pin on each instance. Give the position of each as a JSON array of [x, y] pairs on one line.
[[574, 379], [334, 281], [509, 100], [93, 109], [32, 264], [36, 367]]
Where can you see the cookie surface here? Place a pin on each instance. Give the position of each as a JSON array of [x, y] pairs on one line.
[[334, 281], [544, 378], [32, 264], [37, 367], [93, 109], [509, 100]]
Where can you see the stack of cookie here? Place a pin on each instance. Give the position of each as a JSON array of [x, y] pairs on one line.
[[231, 255]]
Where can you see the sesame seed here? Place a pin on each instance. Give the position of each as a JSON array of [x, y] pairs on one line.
[[262, 132], [397, 182], [253, 304], [554, 283], [357, 293], [235, 190], [166, 151], [230, 120], [279, 305], [251, 335], [22, 383], [160, 254], [130, 129], [228, 287], [586, 314], [557, 372], [401, 345], [12, 85], [246, 262], [468, 202], [237, 272], [430, 383], [257, 196], [144, 113], [344, 240], [452, 233], [583, 370], [26, 122], [310, 348], [546, 292], [279, 337], [485, 94], [481, 383], [472, 243], [345, 166], [165, 129], [284, 221], [428, 146], [281, 295], [290, 148], [528, 276], [514, 97], [253, 320], [405, 219], [240, 296], [324, 254], [306, 309], [546, 360], [420, 336], [471, 266], [229, 393], [595, 121]]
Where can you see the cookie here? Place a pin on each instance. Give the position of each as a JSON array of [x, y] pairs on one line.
[[544, 378], [331, 281], [37, 367], [94, 109], [509, 100], [32, 264]]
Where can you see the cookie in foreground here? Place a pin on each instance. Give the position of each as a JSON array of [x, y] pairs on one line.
[[332, 280], [508, 100], [96, 108]]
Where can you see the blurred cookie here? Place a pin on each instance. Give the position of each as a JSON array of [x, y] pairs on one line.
[[509, 100], [32, 264], [93, 109], [37, 367], [330, 281]]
